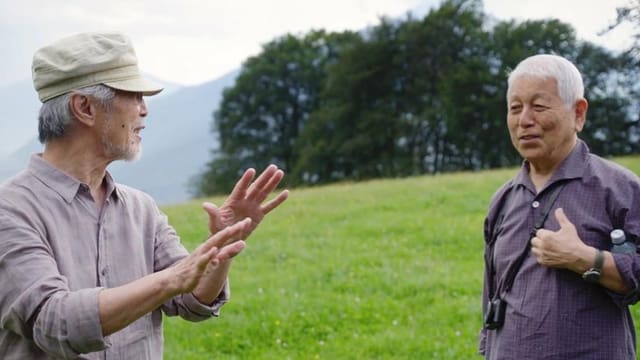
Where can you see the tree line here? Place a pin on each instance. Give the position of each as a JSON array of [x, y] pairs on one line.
[[405, 97]]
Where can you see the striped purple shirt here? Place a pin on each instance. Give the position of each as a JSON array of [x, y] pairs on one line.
[[554, 314], [57, 251]]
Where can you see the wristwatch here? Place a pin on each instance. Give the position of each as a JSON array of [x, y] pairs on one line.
[[593, 275]]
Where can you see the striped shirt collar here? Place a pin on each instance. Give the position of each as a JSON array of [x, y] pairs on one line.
[[62, 183]]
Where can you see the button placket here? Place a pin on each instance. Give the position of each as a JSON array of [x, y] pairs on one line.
[[103, 269]]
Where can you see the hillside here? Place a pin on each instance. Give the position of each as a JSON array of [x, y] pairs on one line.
[[385, 269]]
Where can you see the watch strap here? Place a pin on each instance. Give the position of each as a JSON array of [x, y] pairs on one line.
[[599, 261], [593, 274]]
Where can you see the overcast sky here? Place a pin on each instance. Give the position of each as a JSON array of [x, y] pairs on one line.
[[193, 41]]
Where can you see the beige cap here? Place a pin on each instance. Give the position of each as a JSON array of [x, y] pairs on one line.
[[88, 59]]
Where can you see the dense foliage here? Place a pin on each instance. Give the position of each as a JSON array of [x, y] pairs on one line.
[[405, 97]]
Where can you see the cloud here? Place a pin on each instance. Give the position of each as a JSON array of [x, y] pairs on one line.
[[194, 41], [187, 41], [588, 17]]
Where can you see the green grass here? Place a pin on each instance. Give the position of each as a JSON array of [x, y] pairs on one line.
[[388, 269]]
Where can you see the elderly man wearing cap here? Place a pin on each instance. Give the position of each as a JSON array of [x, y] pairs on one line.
[[89, 265]]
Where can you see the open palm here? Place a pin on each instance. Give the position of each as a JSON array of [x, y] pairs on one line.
[[245, 201]]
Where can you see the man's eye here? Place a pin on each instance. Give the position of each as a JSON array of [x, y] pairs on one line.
[[539, 107]]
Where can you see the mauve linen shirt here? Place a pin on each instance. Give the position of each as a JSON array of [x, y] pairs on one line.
[[554, 314], [57, 252]]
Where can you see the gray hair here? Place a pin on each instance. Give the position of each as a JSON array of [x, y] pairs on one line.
[[567, 76], [55, 115]]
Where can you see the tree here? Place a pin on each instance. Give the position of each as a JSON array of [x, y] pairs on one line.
[[261, 116], [630, 59], [629, 14], [406, 97], [610, 128], [434, 50], [385, 110], [351, 135]]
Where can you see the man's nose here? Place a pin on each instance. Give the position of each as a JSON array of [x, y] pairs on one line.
[[527, 117], [143, 108]]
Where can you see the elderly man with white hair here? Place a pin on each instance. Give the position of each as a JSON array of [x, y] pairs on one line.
[[553, 290]]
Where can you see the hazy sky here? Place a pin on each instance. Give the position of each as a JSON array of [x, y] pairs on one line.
[[193, 41]]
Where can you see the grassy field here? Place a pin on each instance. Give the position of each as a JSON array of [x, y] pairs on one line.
[[388, 269]]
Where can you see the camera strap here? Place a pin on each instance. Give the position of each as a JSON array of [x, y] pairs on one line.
[[512, 271]]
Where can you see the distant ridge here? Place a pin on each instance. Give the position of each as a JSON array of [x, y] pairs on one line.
[[176, 143]]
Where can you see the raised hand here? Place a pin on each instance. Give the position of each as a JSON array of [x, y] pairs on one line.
[[560, 249], [246, 200], [223, 245]]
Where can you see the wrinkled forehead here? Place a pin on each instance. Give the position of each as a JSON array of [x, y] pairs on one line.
[[527, 86]]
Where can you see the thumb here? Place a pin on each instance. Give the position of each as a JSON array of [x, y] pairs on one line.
[[562, 218], [215, 222], [210, 208]]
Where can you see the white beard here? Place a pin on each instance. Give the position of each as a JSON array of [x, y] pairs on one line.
[[130, 152]]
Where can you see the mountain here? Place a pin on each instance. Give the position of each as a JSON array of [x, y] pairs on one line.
[[19, 123], [176, 143]]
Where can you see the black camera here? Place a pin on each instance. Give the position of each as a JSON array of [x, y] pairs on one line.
[[494, 317]]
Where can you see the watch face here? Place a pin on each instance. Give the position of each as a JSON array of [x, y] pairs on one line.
[[591, 275]]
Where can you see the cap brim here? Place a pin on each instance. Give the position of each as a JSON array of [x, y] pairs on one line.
[[146, 87]]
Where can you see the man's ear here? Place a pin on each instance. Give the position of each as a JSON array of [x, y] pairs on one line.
[[82, 108], [581, 106]]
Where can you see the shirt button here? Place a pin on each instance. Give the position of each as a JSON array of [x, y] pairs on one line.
[[104, 271], [535, 204]]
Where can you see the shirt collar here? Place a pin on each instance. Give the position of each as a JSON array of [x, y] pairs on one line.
[[59, 181], [572, 167]]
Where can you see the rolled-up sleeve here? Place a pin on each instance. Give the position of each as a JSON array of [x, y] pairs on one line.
[[627, 216], [190, 308], [35, 300], [628, 266], [66, 325]]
